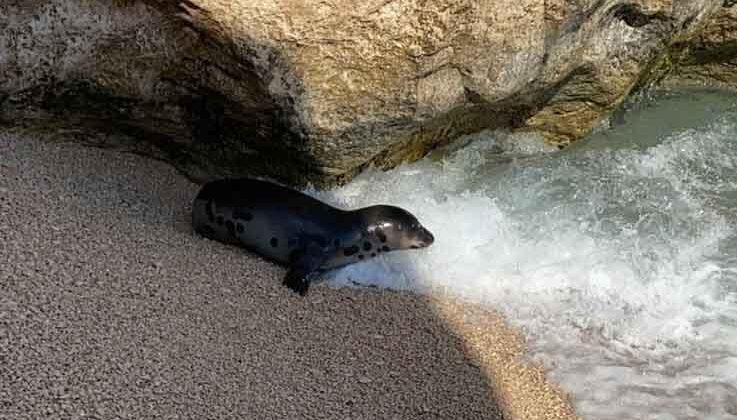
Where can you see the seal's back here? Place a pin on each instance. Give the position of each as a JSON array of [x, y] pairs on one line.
[[268, 218]]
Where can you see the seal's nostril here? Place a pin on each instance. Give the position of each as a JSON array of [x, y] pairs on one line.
[[430, 237], [425, 239]]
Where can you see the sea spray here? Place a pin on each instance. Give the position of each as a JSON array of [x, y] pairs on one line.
[[616, 256]]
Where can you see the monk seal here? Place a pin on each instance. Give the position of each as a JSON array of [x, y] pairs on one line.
[[299, 231]]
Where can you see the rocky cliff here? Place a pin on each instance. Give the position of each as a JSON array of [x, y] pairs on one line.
[[316, 90]]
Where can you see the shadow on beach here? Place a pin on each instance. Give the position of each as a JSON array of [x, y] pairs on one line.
[[111, 308]]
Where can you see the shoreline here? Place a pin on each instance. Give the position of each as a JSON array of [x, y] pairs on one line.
[[113, 307]]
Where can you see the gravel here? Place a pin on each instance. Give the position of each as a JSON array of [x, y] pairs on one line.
[[111, 308]]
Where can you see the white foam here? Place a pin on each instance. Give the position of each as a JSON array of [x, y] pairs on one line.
[[615, 259]]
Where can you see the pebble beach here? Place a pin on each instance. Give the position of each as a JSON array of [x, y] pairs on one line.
[[110, 307]]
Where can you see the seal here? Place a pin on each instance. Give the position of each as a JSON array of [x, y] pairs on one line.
[[299, 231]]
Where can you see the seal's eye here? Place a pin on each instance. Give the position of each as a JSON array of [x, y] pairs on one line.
[[381, 235]]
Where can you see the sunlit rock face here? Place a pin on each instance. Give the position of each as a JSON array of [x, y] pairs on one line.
[[316, 90]]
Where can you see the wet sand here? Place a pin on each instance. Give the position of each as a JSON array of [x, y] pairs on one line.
[[111, 308]]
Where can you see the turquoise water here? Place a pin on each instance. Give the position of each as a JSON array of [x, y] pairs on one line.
[[617, 257]]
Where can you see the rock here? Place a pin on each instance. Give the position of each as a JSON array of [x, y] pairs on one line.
[[707, 56], [316, 90], [601, 53]]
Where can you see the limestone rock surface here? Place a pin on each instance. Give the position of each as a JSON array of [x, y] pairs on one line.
[[317, 90]]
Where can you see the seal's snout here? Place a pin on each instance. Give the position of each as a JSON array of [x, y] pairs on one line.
[[428, 237], [424, 239]]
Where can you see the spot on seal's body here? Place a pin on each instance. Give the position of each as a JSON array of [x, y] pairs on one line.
[[367, 246], [351, 250], [274, 242], [239, 227]]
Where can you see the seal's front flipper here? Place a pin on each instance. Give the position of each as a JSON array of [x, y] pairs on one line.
[[304, 266]]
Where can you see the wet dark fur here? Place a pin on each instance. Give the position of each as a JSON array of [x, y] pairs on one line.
[[299, 231]]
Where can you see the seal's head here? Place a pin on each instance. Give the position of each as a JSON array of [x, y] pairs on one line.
[[394, 228]]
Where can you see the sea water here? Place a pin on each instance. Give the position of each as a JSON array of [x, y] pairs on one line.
[[617, 256]]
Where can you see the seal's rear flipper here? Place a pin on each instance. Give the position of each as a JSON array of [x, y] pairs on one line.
[[304, 266]]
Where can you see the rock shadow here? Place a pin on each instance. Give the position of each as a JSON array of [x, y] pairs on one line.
[[120, 313]]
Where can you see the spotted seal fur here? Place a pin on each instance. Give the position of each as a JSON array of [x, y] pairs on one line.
[[299, 231]]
